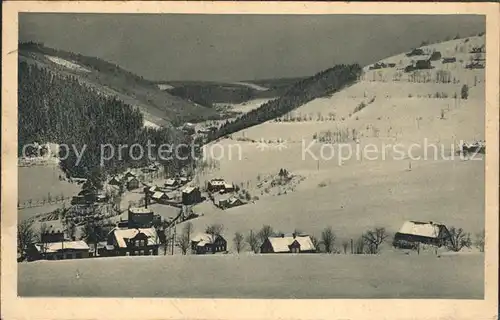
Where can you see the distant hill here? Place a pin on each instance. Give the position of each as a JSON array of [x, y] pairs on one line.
[[208, 93], [321, 84], [158, 107]]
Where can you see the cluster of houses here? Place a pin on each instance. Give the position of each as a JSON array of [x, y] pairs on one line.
[[223, 194], [138, 237], [174, 192], [135, 236]]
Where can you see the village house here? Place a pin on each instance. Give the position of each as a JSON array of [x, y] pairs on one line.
[[132, 183], [132, 242], [54, 246], [60, 250], [206, 243], [288, 244], [421, 232], [115, 181], [165, 197], [219, 185], [226, 200], [171, 183], [215, 185], [159, 197], [449, 60], [85, 196], [128, 174], [140, 217], [191, 195]]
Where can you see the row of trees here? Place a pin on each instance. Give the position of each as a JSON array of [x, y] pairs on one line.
[[321, 84], [59, 109]]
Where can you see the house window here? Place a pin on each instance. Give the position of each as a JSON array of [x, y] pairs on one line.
[[127, 253], [141, 253], [78, 255]]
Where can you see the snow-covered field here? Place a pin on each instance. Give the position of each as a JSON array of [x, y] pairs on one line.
[[371, 189], [258, 276], [353, 195], [67, 64]]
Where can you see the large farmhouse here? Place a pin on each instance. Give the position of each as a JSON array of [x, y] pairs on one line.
[[52, 249], [133, 242], [421, 232], [288, 244]]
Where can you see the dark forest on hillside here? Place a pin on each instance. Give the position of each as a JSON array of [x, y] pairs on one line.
[[59, 109], [323, 83], [159, 103]]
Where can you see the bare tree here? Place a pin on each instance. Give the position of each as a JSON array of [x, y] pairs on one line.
[[238, 241], [359, 246], [458, 239], [479, 242], [214, 230], [328, 239], [253, 241], [188, 230], [41, 238], [25, 236], [265, 232], [183, 242], [345, 244], [374, 238], [70, 228]]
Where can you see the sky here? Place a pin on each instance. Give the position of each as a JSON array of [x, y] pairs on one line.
[[239, 47]]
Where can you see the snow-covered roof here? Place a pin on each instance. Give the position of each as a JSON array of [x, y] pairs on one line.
[[157, 195], [189, 189], [170, 181], [281, 244], [234, 200], [305, 242], [424, 229], [217, 182], [57, 246], [139, 210], [121, 235]]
